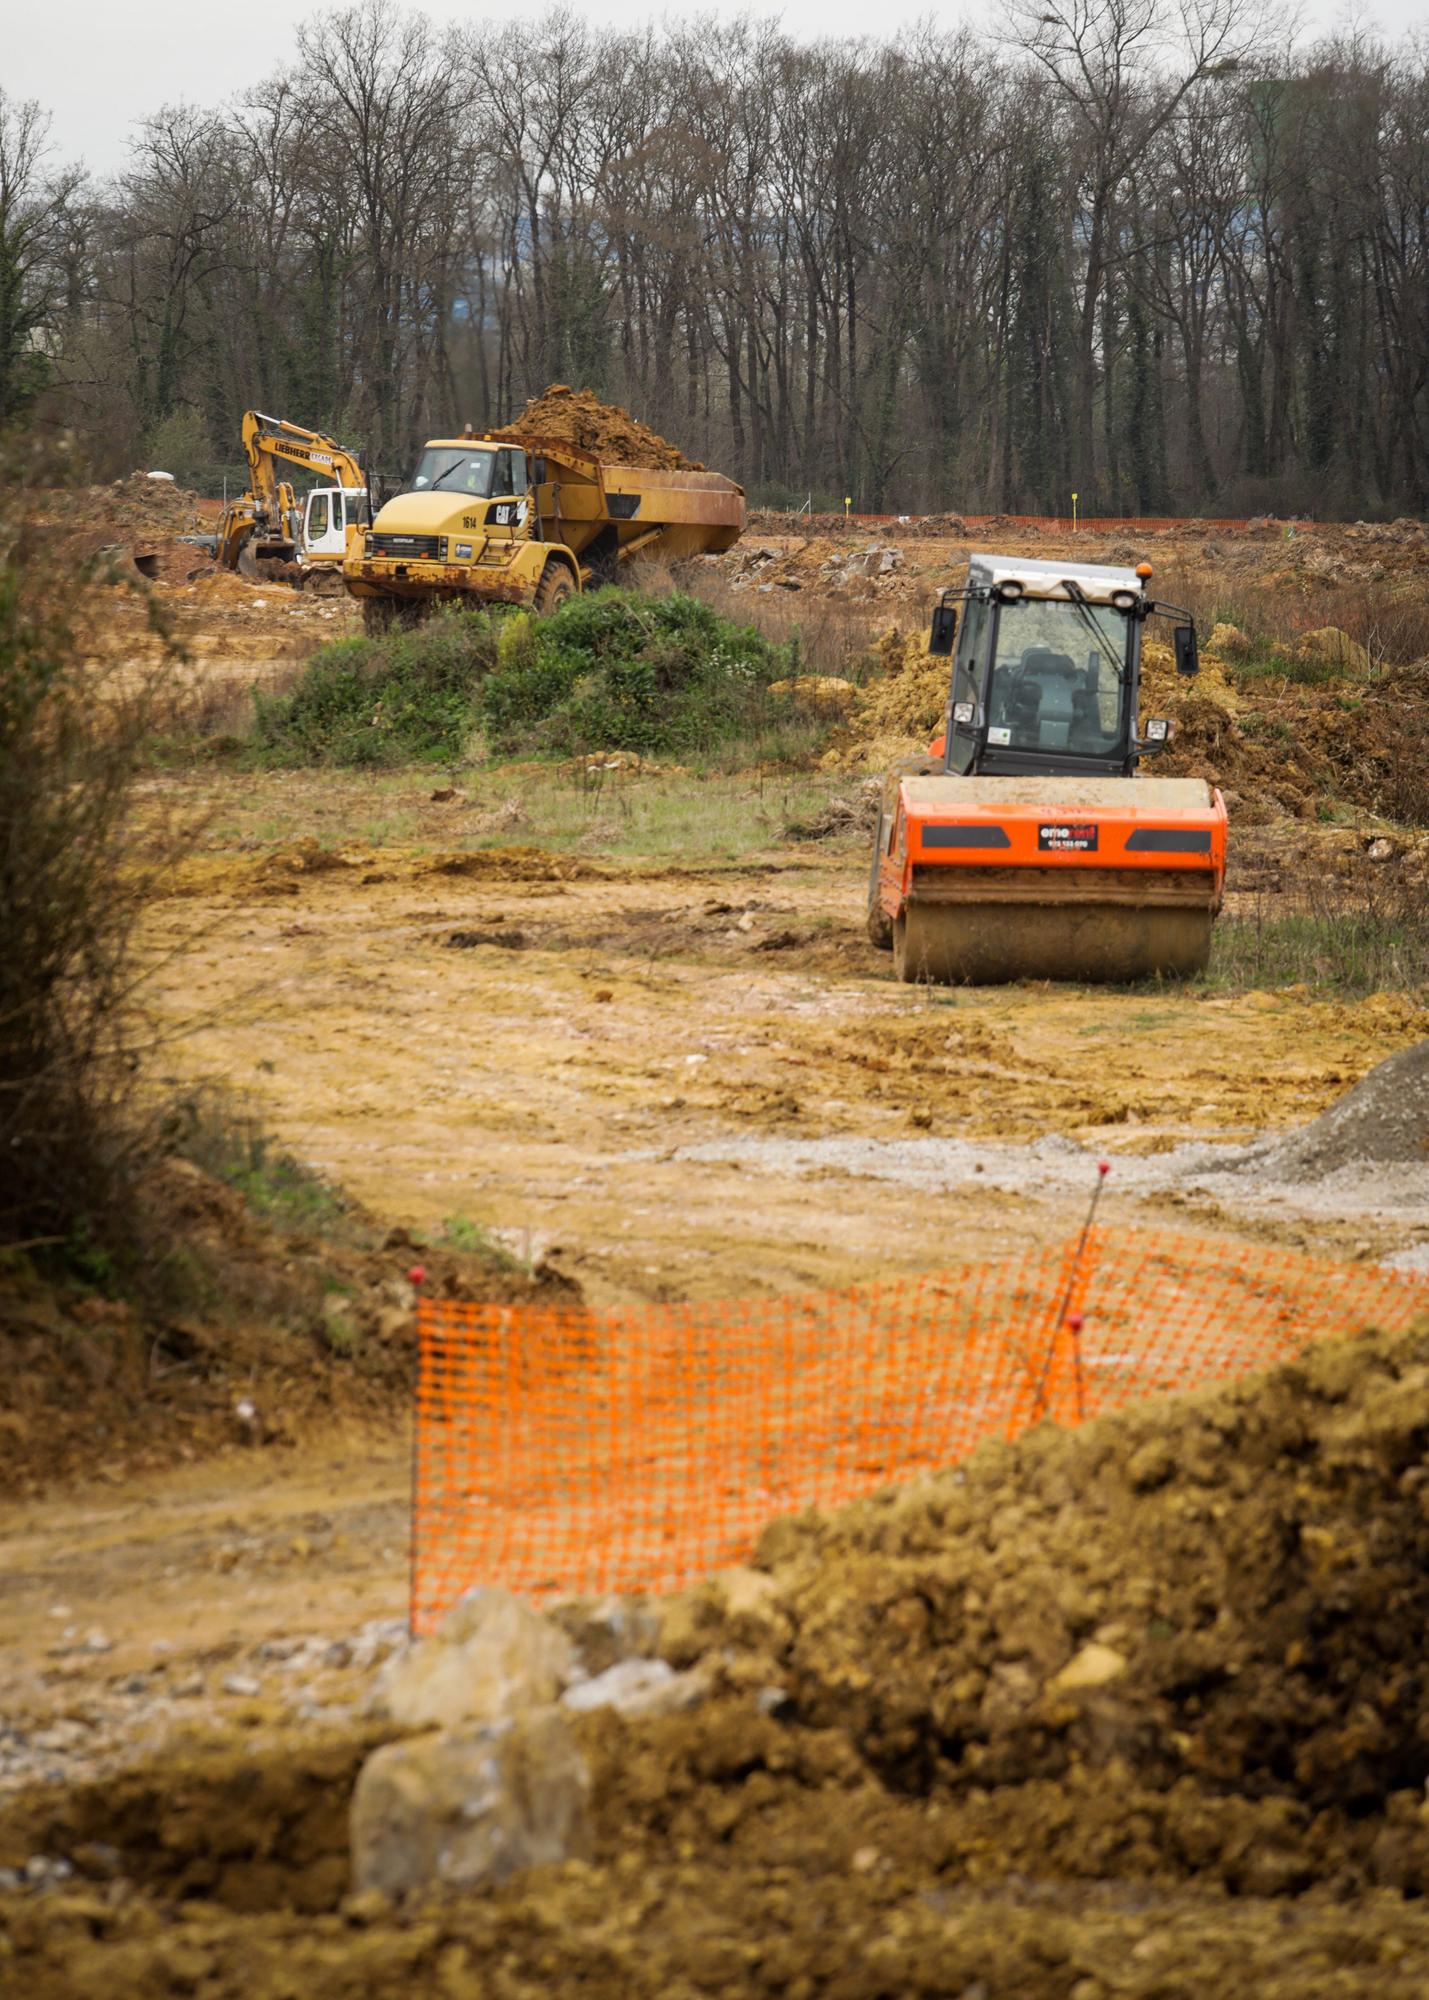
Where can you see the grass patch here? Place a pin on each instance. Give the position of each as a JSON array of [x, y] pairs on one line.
[[1269, 663], [661, 815], [232, 1146], [471, 1239], [699, 814], [1381, 945]]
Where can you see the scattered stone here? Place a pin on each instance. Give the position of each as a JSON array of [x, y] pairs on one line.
[[1093, 1667], [242, 1684], [492, 1657], [470, 1806], [639, 1688], [604, 1630]]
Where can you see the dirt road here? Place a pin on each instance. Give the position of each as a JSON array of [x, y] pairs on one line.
[[625, 1068]]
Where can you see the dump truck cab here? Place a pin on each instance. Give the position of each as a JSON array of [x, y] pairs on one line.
[[459, 527], [1025, 845]]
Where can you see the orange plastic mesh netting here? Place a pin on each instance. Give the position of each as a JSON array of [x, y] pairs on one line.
[[563, 1450]]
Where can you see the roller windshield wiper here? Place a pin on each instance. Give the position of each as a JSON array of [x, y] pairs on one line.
[[1081, 603]]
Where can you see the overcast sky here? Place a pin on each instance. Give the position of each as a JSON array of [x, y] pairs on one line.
[[98, 66]]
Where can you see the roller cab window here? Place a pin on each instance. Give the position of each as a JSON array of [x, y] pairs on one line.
[[1058, 677]]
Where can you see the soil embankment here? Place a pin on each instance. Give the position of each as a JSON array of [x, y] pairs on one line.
[[1134, 1711]]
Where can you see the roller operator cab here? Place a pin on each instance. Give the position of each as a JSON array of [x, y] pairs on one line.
[[1027, 845]]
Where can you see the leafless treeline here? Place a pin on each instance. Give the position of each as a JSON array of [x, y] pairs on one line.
[[1149, 255]]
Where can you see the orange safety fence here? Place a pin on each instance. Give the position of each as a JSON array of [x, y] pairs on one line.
[[566, 1450], [1109, 524]]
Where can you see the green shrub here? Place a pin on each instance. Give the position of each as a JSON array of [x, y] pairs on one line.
[[609, 671], [408, 697], [617, 671]]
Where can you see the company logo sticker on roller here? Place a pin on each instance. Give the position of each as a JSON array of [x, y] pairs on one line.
[[1068, 838]]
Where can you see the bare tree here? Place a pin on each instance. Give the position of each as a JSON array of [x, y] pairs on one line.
[[35, 275]]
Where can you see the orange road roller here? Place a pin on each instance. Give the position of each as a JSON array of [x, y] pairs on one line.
[[1027, 845]]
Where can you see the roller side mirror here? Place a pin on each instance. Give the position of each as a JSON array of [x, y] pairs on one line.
[[945, 631], [1186, 660]]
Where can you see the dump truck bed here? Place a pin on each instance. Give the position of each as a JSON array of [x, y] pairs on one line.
[[691, 512]]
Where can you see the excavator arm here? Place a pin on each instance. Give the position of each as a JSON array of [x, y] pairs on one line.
[[266, 439]]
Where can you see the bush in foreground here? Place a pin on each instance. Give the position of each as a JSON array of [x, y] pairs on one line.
[[623, 672], [74, 876]]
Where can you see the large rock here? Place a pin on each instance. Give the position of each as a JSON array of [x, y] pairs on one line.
[[470, 1806], [493, 1656]]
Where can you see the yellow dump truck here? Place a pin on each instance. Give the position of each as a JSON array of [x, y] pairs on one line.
[[489, 521]]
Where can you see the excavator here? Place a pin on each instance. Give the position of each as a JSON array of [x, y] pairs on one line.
[[1026, 844], [268, 531]]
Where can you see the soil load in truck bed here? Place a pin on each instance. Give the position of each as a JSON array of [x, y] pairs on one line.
[[578, 418]]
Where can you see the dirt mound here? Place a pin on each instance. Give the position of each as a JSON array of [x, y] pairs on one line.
[[578, 418], [295, 1303], [1183, 1594], [909, 696], [1384, 1120], [1136, 1710], [1288, 751]]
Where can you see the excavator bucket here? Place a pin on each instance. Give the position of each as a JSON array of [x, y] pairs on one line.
[[990, 879]]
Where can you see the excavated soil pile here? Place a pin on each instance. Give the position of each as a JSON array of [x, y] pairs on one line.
[[578, 418], [1133, 1713], [303, 1324], [1383, 1121], [132, 527]]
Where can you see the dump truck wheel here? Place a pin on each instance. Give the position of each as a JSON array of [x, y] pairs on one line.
[[553, 589], [880, 926]]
